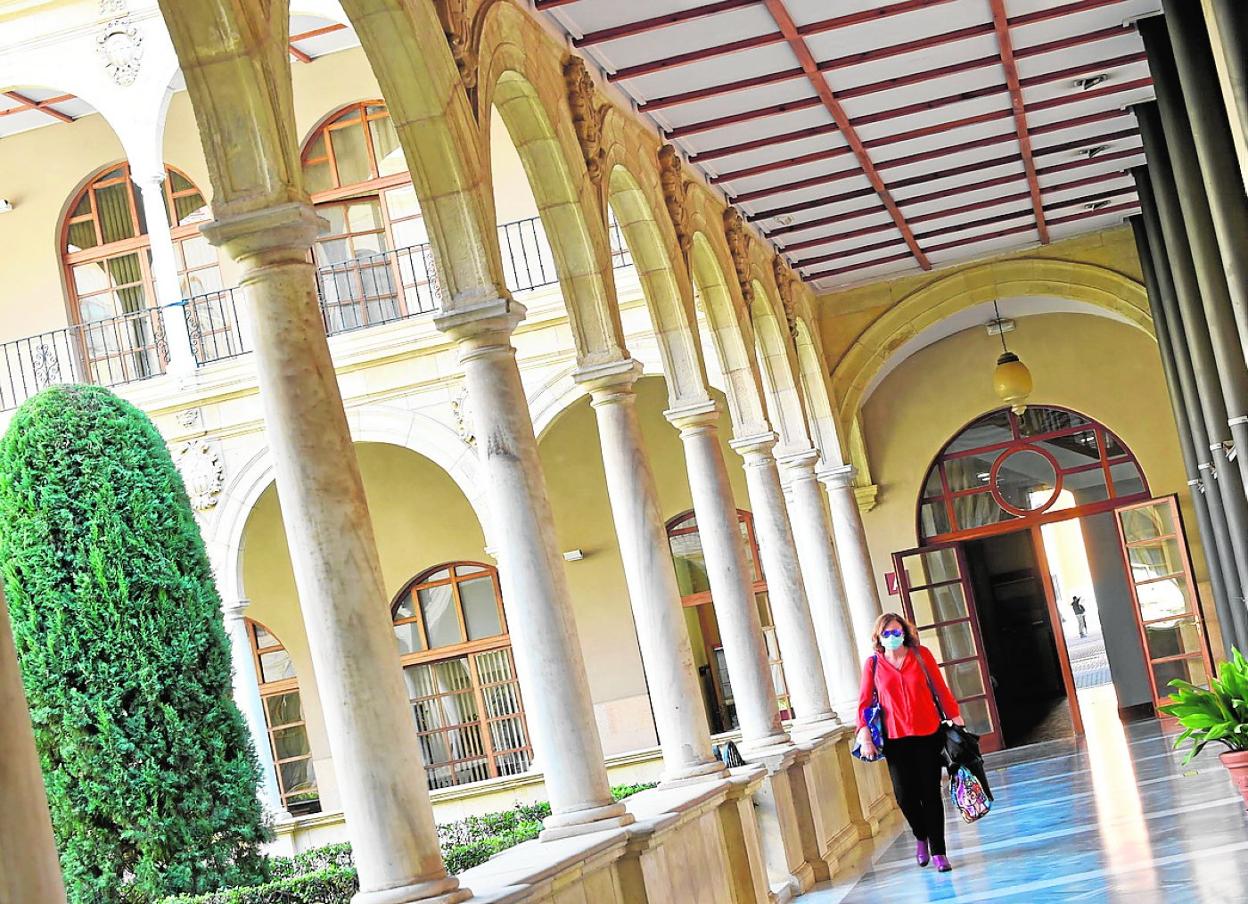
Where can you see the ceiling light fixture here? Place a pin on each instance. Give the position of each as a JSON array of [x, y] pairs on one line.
[[1087, 84], [1011, 380], [1094, 151]]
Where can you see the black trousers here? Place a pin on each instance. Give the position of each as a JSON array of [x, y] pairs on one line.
[[915, 764]]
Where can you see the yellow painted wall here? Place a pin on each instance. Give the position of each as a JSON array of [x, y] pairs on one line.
[[1107, 370]]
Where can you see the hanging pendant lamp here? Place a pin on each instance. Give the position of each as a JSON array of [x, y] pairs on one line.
[[1011, 379]]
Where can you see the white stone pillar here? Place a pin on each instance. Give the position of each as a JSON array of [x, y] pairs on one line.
[[817, 554], [371, 731], [29, 867], [165, 272], [679, 713], [803, 666], [728, 572], [549, 660], [851, 545], [247, 698]]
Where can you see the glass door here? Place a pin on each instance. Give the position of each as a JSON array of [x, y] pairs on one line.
[[937, 597], [1167, 609]]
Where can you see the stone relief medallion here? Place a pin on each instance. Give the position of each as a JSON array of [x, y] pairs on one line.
[[121, 46], [203, 471], [462, 413], [190, 419], [111, 9]]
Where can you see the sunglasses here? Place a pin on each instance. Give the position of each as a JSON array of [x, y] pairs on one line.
[[893, 632]]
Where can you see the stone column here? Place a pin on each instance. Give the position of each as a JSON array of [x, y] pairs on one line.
[[165, 272], [247, 698], [1228, 28], [851, 546], [679, 714], [795, 629], [729, 575], [371, 731], [817, 555], [545, 644], [29, 867]]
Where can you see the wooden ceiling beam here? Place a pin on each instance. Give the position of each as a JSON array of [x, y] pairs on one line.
[[1018, 107], [42, 106], [644, 26]]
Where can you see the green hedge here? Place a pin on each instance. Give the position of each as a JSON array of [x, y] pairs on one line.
[[326, 875]]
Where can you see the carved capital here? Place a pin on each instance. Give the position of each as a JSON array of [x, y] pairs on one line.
[[739, 248], [588, 115], [676, 195], [785, 285], [457, 26]]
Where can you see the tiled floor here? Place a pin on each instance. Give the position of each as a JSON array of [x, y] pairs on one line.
[[1115, 818]]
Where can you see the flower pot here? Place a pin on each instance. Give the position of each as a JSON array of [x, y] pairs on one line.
[[1236, 764]]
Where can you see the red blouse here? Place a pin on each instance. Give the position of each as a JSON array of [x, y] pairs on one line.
[[904, 695]]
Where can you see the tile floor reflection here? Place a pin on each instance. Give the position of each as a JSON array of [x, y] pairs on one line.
[[1112, 818]]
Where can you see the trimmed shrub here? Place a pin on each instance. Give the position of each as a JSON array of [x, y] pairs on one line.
[[333, 885], [149, 770]]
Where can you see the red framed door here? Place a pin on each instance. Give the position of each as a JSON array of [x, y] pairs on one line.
[[937, 596], [1167, 609]]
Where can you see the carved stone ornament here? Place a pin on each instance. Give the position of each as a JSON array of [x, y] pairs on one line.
[[739, 247], [785, 285], [121, 46], [676, 194], [587, 115], [462, 412], [111, 9], [190, 418], [203, 472], [457, 25]]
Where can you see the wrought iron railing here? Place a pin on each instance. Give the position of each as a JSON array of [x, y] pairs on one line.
[[354, 295], [105, 352]]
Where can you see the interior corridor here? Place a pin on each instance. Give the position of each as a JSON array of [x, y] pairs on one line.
[[1114, 818]]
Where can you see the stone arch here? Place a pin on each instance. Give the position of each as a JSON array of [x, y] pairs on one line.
[[731, 340], [778, 371], [520, 81], [813, 385], [1115, 293], [667, 289], [418, 433]]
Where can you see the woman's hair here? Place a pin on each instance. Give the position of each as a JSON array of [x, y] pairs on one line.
[[911, 633]]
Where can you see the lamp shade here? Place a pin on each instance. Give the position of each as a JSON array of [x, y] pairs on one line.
[[1012, 382]]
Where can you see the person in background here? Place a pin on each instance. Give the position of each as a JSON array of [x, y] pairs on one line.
[[908, 681], [1081, 615]]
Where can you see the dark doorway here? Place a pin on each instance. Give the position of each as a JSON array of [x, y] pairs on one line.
[[1019, 641]]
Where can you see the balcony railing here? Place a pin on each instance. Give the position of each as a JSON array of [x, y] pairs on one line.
[[105, 352], [354, 295]]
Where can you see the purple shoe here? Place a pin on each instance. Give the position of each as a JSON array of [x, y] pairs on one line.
[[942, 863], [921, 854]]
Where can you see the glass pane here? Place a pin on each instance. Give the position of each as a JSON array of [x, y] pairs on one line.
[[464, 571], [351, 155], [81, 235], [977, 717], [1035, 420], [197, 252], [297, 775], [501, 700], [1163, 599], [1173, 638], [950, 641], [1147, 522], [386, 147], [988, 431], [1128, 481], [419, 681], [690, 564], [275, 666], [969, 472], [364, 216], [1026, 480], [964, 679], [749, 551], [112, 205], [290, 742], [437, 605], [1155, 559], [931, 567], [934, 519], [405, 609], [408, 635], [284, 709], [1192, 670], [408, 233], [1086, 486], [1074, 449], [336, 216], [1113, 448], [937, 604], [190, 209], [978, 509], [932, 486], [402, 203], [264, 638], [480, 608], [178, 181], [317, 177]]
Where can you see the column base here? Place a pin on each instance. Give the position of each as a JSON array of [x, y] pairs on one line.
[[772, 745], [816, 730], [692, 775], [440, 891], [585, 822]]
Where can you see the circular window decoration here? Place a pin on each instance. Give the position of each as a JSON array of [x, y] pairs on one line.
[[1026, 480]]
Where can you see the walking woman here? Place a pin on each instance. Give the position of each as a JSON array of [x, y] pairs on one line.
[[905, 679]]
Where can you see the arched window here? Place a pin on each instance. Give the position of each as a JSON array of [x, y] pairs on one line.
[[695, 592], [107, 255], [1005, 467], [460, 675], [283, 713], [374, 257]]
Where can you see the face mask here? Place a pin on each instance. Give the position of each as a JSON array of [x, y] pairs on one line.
[[893, 643]]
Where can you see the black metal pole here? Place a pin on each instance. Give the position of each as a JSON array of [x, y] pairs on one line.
[[1163, 198], [1170, 352], [1231, 18]]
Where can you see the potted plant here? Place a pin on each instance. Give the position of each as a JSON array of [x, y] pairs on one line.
[[1217, 714]]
